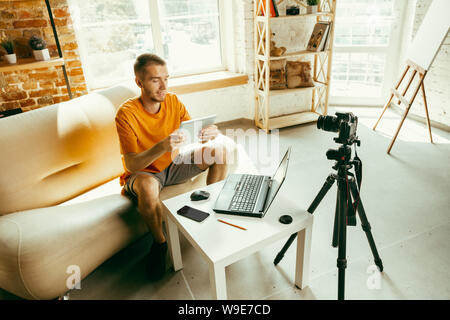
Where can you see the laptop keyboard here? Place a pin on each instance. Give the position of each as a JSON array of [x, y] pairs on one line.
[[244, 198]]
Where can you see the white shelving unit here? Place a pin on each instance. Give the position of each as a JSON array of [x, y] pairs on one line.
[[321, 67]]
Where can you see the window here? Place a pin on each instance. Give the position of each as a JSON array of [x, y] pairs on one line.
[[112, 33], [365, 57]]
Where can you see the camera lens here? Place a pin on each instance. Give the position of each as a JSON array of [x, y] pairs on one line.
[[328, 123]]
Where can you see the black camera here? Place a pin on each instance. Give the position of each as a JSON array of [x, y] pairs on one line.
[[344, 123], [292, 10]]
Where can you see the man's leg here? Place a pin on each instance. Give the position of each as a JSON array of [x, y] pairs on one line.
[[150, 207], [214, 158], [147, 189], [217, 172]]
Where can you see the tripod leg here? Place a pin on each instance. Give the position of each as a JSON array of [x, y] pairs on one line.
[[365, 224], [323, 191], [342, 226], [334, 244], [286, 246]]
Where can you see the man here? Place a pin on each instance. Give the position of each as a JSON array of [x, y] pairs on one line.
[[149, 140]]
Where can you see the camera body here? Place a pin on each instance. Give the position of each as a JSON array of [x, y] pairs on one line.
[[345, 124]]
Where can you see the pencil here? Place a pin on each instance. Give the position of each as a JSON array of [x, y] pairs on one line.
[[231, 224]]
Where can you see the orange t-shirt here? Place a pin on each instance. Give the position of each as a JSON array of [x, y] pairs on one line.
[[140, 130]]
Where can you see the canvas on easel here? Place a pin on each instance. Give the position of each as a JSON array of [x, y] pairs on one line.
[[421, 55]]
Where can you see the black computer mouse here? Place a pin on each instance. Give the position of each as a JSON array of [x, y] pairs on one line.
[[199, 195], [286, 219]]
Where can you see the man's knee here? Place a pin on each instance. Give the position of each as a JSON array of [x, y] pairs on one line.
[[210, 155], [147, 189]]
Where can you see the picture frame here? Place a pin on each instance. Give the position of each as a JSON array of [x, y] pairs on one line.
[[319, 37]]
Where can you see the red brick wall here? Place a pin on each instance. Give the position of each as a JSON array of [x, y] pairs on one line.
[[35, 88]]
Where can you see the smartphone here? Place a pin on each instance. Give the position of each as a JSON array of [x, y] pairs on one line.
[[194, 214]]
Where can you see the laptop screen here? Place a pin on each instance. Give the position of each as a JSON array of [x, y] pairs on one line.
[[277, 179]]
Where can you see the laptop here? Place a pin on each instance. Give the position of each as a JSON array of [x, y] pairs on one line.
[[251, 195]]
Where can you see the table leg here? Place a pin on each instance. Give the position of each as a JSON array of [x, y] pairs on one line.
[[303, 255], [173, 242], [218, 282]]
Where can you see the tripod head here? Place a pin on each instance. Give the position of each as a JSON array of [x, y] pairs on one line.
[[345, 124]]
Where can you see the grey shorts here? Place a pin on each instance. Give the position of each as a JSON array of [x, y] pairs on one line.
[[173, 174]]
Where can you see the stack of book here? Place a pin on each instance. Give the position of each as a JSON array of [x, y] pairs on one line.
[[273, 8]]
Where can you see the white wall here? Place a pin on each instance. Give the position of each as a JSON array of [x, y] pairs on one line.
[[227, 103]]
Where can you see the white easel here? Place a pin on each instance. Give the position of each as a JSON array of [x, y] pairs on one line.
[[421, 55]]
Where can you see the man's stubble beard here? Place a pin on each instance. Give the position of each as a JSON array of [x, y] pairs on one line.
[[153, 97]]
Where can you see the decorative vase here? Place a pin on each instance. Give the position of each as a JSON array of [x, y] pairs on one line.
[[41, 55], [11, 58], [311, 9]]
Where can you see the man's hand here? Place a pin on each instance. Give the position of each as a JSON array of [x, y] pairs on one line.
[[137, 161], [208, 133], [174, 140]]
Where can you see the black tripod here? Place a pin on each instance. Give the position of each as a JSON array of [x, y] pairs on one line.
[[345, 215]]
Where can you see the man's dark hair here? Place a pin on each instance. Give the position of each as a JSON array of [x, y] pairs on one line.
[[145, 60]]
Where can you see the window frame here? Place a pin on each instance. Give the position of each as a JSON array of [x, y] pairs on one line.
[[392, 65], [155, 22], [223, 45]]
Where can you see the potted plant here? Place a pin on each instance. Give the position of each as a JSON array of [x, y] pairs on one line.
[[8, 45], [312, 6], [39, 47]]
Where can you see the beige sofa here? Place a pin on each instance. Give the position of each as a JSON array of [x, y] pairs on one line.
[[60, 201]]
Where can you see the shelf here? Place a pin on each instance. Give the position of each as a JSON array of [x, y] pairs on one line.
[[315, 98], [30, 63], [292, 119], [292, 55], [294, 90], [299, 16]]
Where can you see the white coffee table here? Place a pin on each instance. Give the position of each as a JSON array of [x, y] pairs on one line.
[[222, 245]]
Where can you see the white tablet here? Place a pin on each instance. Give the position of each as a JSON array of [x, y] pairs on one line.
[[192, 127]]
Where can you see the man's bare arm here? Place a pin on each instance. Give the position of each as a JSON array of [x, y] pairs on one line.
[[138, 161]]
